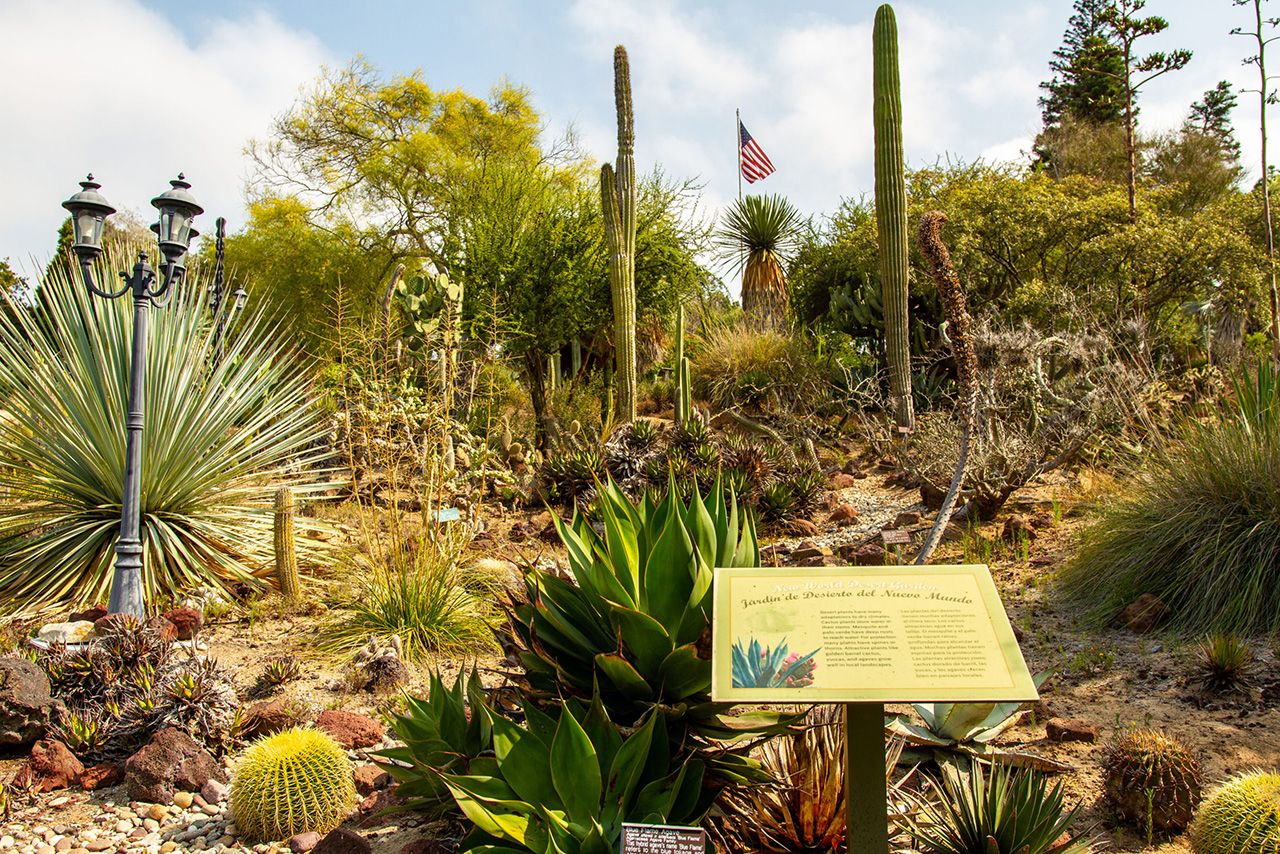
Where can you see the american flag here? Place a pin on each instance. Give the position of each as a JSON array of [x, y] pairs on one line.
[[755, 163]]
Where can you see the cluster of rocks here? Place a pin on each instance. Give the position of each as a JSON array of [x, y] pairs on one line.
[[181, 624]]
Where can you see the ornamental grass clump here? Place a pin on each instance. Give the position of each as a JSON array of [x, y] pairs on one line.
[[1200, 530]]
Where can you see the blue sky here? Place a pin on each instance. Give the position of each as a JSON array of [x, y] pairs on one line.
[[185, 86]]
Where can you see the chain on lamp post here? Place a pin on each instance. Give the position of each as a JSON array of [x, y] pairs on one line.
[[89, 211]]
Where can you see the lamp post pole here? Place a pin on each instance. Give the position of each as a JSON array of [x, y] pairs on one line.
[[89, 211]]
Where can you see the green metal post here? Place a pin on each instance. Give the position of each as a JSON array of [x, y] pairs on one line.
[[867, 816]]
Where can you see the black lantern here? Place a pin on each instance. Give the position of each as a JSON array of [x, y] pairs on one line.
[[89, 211], [177, 209]]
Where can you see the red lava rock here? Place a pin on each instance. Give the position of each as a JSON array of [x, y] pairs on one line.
[[375, 804], [1144, 614], [822, 560], [843, 512], [343, 841], [97, 612], [1043, 520], [1059, 729], [841, 481], [51, 766], [519, 532], [906, 518], [350, 729], [850, 467], [931, 496], [806, 551], [1017, 527], [370, 778], [863, 555], [104, 775], [304, 841], [169, 762], [549, 534], [830, 501], [774, 554], [187, 621], [803, 527]]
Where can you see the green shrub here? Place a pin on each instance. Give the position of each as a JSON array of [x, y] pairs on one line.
[[760, 369], [212, 428], [1200, 530]]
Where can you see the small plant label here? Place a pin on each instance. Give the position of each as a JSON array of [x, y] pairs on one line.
[[892, 634], [662, 839]]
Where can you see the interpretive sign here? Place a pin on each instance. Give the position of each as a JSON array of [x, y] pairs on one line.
[[662, 839], [892, 634]]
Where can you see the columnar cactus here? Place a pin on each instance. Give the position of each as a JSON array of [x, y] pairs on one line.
[[618, 197], [683, 397], [286, 552], [891, 210]]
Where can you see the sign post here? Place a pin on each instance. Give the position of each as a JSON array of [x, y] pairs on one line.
[[864, 636]]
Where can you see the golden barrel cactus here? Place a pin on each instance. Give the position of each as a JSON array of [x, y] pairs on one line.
[[291, 782], [1241, 817]]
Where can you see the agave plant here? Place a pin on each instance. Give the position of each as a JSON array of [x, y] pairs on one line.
[[955, 733], [566, 784], [212, 428], [766, 228], [638, 622], [755, 666]]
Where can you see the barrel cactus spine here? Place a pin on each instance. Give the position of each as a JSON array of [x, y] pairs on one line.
[[292, 782], [1240, 817], [891, 211], [618, 198], [286, 549]]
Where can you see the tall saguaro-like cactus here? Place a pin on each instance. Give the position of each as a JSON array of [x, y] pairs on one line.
[[891, 211], [618, 196]]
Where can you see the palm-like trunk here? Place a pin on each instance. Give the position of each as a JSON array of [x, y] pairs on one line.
[[764, 289]]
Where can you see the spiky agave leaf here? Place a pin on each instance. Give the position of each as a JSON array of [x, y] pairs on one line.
[[212, 427]]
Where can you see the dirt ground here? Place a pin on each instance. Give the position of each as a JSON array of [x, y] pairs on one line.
[[1107, 678]]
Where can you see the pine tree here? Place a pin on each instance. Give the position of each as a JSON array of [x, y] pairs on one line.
[[1212, 117], [1086, 70]]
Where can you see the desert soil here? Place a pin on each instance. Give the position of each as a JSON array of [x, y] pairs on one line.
[[1107, 677]]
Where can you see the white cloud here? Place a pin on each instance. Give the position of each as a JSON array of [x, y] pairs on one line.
[[110, 87]]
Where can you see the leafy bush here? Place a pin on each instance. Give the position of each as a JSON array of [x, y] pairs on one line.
[[1200, 530], [212, 428]]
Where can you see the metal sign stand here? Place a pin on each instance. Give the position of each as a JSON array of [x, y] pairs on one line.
[[866, 791]]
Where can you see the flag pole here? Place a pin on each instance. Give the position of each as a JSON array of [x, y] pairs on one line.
[[738, 137]]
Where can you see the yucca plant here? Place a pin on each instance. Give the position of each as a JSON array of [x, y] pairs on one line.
[[637, 623], [212, 427], [1011, 812], [766, 230]]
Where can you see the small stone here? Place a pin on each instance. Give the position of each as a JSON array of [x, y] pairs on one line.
[[157, 812], [6, 842], [803, 527], [78, 851], [168, 846], [809, 550], [69, 633], [151, 824], [99, 845], [88, 835], [370, 778], [822, 560], [45, 849], [198, 844], [57, 803], [1060, 729], [1144, 614], [227, 840], [906, 519], [842, 513], [304, 842], [343, 841], [213, 791], [210, 809], [64, 844], [137, 833], [123, 826], [841, 481], [182, 799]]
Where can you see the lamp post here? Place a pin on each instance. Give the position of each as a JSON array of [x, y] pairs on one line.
[[89, 211]]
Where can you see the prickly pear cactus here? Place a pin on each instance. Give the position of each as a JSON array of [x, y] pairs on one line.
[[1241, 817], [295, 781], [1152, 775]]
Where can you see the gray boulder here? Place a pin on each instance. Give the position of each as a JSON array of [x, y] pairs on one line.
[[26, 708]]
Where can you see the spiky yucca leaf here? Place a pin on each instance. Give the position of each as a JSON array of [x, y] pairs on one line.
[[212, 427], [767, 228]]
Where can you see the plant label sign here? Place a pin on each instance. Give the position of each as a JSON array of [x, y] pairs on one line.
[[662, 839], [864, 634]]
